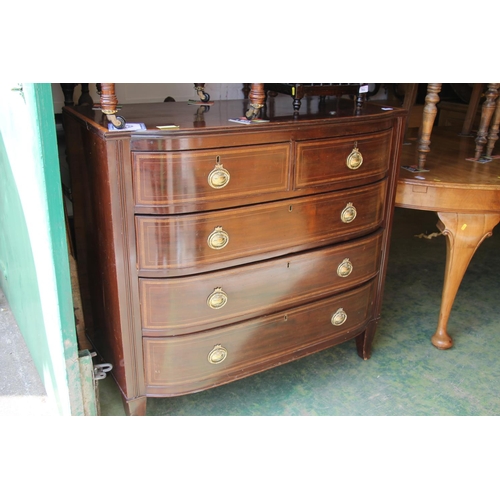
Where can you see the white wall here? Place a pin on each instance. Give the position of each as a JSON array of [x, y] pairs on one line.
[[154, 92]]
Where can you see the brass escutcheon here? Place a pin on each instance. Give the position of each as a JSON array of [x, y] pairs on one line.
[[217, 299], [219, 176], [218, 238], [349, 213], [355, 158], [345, 268], [217, 355], [339, 318]]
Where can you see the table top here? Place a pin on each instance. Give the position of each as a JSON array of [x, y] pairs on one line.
[[453, 182]]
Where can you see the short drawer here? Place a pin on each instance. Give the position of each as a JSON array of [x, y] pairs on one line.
[[175, 306], [347, 162], [187, 244], [189, 363], [192, 178]]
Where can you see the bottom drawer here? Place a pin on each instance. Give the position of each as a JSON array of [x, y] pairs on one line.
[[190, 363]]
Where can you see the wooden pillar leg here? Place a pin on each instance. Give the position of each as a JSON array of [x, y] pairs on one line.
[[408, 103], [68, 91], [470, 116], [200, 90], [257, 100], [464, 233], [486, 115], [494, 129], [429, 116], [109, 104]]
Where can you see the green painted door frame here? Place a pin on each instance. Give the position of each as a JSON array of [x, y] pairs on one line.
[[34, 264]]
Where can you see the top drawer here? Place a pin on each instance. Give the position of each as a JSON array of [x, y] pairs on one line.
[[180, 179], [348, 161]]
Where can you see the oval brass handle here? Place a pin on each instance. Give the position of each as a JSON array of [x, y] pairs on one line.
[[345, 268], [217, 299], [217, 355], [219, 176], [349, 213], [339, 318], [218, 238], [355, 159]]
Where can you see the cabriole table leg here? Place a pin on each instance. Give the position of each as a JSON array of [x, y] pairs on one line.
[[464, 233]]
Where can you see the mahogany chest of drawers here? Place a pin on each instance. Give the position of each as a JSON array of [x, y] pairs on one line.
[[216, 250]]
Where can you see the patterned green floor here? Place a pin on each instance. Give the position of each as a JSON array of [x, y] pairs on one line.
[[406, 375]]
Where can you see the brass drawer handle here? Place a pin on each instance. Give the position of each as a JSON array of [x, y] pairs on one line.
[[339, 318], [345, 268], [349, 213], [355, 158], [217, 355], [217, 299], [219, 176], [218, 238]]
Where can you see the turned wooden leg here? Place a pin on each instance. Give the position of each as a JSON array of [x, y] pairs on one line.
[[200, 90], [135, 407], [68, 91], [257, 99], [493, 135], [408, 103], [464, 233], [429, 116], [85, 98], [470, 116], [486, 114], [109, 104], [296, 104]]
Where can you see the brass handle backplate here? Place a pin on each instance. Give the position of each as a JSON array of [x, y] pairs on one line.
[[339, 318], [217, 299], [355, 158], [217, 355], [218, 238], [349, 213], [219, 176], [345, 268]]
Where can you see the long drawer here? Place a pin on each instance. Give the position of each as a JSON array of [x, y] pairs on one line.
[[175, 306], [224, 175], [188, 244], [189, 363]]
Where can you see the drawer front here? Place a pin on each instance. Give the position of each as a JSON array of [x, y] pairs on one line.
[[188, 363], [184, 305], [346, 162], [222, 175], [187, 244]]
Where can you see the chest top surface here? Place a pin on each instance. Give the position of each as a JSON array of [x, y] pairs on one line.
[[336, 116]]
